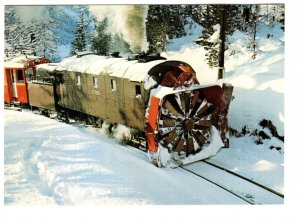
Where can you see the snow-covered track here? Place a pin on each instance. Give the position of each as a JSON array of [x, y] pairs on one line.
[[240, 186], [245, 178], [13, 108]]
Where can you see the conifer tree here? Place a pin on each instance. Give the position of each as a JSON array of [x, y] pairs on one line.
[[31, 35], [82, 38], [164, 22], [211, 16], [101, 40], [79, 43], [252, 17], [208, 22]]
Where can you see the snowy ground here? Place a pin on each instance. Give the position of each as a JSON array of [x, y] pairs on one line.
[[52, 163], [48, 162]]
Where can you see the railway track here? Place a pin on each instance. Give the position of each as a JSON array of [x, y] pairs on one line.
[[240, 186]]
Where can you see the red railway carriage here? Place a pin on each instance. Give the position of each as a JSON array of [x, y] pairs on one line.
[[16, 71]]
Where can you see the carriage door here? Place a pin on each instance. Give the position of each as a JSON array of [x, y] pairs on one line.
[[138, 104], [14, 83]]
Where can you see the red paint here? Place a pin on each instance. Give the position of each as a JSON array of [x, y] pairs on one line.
[[151, 125], [19, 88]]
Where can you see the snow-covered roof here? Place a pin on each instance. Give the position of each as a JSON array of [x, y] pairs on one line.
[[117, 67], [139, 71], [50, 67], [18, 61], [92, 64]]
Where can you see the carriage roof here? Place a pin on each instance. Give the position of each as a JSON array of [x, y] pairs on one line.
[[24, 61], [50, 67], [116, 67]]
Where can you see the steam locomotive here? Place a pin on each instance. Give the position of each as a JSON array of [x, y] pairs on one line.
[[159, 97]]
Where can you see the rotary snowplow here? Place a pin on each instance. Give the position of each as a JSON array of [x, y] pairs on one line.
[[185, 118]]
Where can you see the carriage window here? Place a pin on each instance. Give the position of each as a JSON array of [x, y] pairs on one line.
[[113, 85], [78, 80], [138, 92], [29, 74], [20, 76], [95, 82]]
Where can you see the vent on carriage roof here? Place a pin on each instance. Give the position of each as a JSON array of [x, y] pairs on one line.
[[115, 54], [145, 57], [83, 53]]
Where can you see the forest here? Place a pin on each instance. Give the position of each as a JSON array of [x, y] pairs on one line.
[[58, 31]]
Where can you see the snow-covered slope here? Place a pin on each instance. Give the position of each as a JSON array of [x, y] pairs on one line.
[[258, 83]]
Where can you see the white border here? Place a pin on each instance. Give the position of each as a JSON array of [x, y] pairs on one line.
[[292, 130]]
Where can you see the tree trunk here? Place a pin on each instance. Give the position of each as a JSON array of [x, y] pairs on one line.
[[222, 43], [254, 41]]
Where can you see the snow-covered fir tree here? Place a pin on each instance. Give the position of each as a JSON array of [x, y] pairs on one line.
[[82, 37], [270, 14], [37, 30], [79, 43], [255, 17], [19, 34], [210, 17], [253, 24], [164, 22]]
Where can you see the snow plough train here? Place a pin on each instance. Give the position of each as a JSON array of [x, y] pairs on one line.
[[181, 120]]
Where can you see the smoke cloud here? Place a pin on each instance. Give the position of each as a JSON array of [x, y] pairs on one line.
[[125, 20]]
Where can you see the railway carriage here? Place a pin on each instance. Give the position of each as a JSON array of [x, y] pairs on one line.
[[41, 88], [17, 71]]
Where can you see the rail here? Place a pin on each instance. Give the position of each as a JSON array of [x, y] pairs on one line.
[[238, 185]]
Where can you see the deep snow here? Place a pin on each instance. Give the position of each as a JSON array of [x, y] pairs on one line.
[[48, 162]]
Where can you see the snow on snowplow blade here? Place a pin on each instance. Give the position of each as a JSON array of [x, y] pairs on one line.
[[185, 126]]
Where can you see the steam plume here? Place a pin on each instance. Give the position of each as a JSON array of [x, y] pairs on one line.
[[125, 20]]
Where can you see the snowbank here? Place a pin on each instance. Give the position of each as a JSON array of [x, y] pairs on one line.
[[258, 83], [193, 31]]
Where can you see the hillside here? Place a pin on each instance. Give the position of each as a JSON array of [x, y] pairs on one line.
[[258, 83]]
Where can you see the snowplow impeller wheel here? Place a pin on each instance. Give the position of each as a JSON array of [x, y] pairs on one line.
[[184, 124]]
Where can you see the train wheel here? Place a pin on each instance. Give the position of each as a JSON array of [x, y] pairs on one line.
[[184, 124]]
